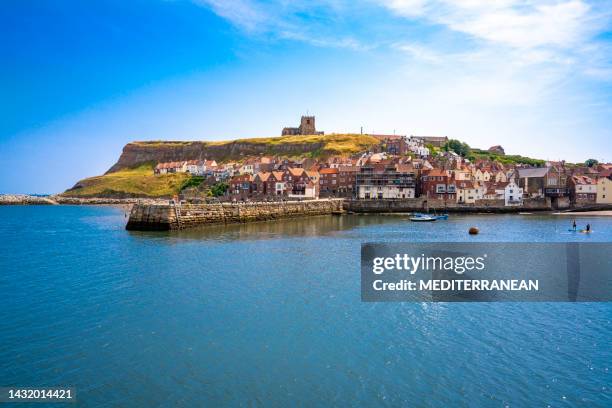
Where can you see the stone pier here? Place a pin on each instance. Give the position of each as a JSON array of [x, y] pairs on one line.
[[163, 217]]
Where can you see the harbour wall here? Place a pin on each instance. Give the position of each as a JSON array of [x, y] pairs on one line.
[[422, 204], [160, 217]]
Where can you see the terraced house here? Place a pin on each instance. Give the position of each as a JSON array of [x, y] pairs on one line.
[[583, 190], [384, 180], [604, 187], [438, 184]]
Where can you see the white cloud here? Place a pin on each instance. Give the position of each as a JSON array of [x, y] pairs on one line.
[[304, 21], [472, 68], [243, 13], [515, 23]]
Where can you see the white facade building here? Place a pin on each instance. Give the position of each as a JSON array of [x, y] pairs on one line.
[[513, 194]]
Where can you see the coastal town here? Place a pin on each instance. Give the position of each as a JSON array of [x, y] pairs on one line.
[[432, 169]]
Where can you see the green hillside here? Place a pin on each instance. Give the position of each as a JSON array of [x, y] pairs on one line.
[[136, 182]]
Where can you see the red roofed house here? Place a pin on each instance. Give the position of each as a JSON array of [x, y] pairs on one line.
[[241, 187], [328, 182], [437, 183], [582, 189]]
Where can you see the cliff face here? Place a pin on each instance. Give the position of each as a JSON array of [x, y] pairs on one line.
[[137, 153], [132, 175]]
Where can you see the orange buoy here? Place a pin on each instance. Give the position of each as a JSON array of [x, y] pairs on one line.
[[473, 230]]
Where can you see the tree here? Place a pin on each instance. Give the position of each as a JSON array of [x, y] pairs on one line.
[[462, 149], [591, 162], [219, 189]]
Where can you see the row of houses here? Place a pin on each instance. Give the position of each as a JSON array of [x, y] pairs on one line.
[[382, 175]]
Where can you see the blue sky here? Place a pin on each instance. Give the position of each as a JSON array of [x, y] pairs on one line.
[[81, 79]]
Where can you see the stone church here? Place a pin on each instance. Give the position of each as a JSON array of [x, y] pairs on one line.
[[307, 127]]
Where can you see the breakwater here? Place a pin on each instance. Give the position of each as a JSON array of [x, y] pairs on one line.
[[160, 217], [55, 199]]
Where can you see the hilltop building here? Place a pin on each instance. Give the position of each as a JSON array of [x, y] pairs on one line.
[[497, 149], [393, 144], [307, 127], [437, 141]]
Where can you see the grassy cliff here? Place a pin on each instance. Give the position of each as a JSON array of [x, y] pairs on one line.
[[135, 182]]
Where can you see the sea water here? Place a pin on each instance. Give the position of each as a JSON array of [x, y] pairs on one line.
[[270, 314]]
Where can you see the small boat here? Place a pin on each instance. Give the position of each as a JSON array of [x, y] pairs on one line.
[[423, 218]]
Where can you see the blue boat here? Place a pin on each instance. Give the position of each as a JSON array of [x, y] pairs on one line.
[[422, 218]]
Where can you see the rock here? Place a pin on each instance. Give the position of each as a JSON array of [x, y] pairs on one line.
[[25, 199]]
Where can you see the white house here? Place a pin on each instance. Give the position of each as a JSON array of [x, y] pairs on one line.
[[195, 167], [468, 192], [513, 194], [387, 191], [247, 168], [170, 167]]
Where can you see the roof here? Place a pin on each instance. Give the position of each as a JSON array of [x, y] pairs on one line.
[[436, 138], [606, 173], [328, 171], [263, 176], [533, 172], [169, 165], [336, 159], [583, 180], [501, 185], [241, 178], [296, 171], [278, 175], [437, 173], [404, 168], [465, 184]]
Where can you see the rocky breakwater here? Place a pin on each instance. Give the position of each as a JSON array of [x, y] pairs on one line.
[[25, 199], [147, 217]]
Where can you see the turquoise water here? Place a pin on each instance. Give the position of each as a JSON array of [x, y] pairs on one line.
[[270, 314]]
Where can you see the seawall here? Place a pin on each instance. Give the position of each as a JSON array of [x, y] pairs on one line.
[[422, 204], [163, 217]]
